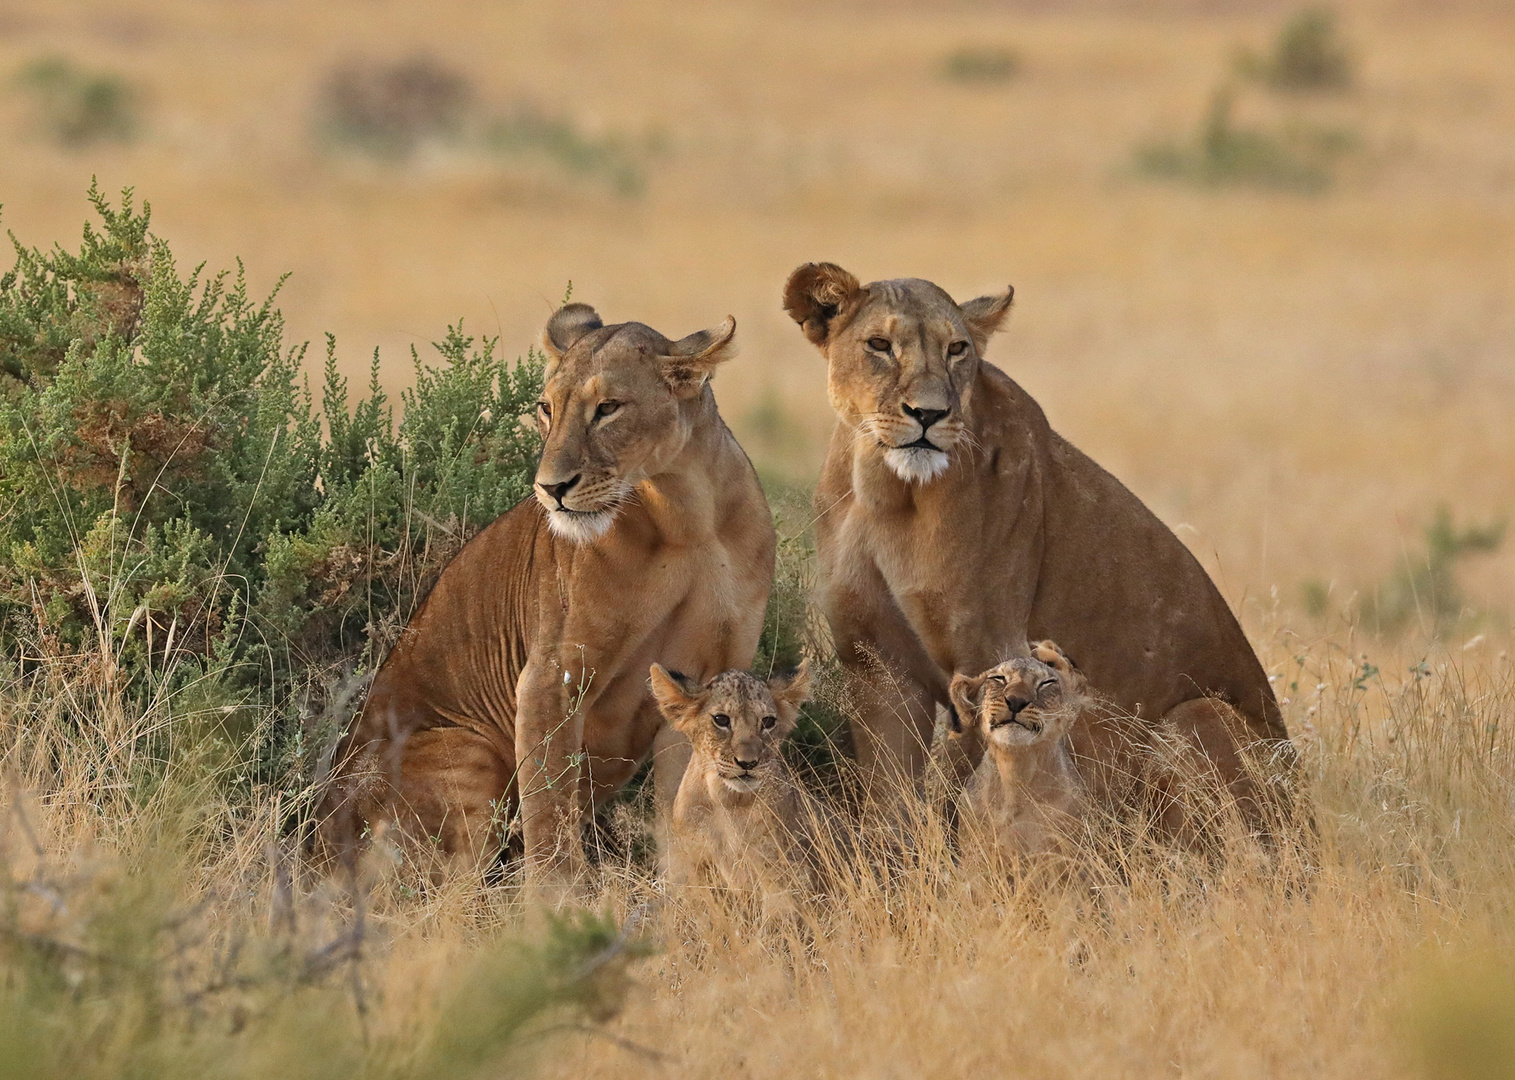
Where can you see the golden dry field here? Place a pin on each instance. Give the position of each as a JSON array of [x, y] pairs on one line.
[[1296, 382]]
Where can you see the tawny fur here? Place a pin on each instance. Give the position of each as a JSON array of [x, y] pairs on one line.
[[1026, 798], [521, 683], [947, 546], [739, 816]]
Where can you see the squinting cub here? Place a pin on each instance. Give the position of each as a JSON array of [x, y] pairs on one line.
[[738, 811], [1026, 798]]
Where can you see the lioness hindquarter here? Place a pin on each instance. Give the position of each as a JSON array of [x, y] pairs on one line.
[[738, 812], [519, 689], [1026, 798]]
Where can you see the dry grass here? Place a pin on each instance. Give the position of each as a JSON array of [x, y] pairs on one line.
[[1293, 383]]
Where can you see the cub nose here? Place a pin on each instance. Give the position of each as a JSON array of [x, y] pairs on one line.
[[924, 417], [746, 766], [1015, 705], [558, 491]]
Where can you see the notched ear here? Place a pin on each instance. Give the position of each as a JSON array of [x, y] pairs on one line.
[[677, 699], [816, 294], [967, 694], [692, 360], [986, 315], [569, 323]]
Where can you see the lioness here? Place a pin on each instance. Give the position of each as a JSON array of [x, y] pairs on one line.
[[953, 525], [1026, 798], [738, 812], [522, 679]]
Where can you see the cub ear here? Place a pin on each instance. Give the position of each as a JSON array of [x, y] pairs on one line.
[[675, 697], [789, 693], [569, 323], [967, 694], [692, 360], [1051, 654], [816, 294], [985, 315]]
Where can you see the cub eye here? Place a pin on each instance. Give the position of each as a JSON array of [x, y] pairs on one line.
[[879, 344], [769, 721], [957, 348], [605, 408], [1052, 681], [545, 409], [721, 720]]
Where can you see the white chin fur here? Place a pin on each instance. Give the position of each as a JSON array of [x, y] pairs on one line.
[[916, 464], [744, 785], [579, 526], [1008, 735]]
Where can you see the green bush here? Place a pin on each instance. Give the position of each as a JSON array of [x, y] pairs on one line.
[[980, 65], [1307, 55], [1296, 157], [75, 107], [173, 501]]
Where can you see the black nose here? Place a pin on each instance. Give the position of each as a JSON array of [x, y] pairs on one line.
[[557, 491], [1015, 705], [746, 766], [924, 417]]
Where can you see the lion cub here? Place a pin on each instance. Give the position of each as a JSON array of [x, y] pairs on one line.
[[738, 811], [1026, 798]]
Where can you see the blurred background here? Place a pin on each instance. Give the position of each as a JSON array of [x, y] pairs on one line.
[[1264, 255]]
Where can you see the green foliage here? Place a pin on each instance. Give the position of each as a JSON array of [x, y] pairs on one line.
[[527, 132], [1426, 588], [980, 65], [170, 496], [1293, 157], [76, 107], [1307, 55]]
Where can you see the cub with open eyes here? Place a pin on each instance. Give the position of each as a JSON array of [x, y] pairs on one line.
[[1026, 797], [738, 812]]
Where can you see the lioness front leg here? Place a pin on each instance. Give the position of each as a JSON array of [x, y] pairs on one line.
[[549, 777]]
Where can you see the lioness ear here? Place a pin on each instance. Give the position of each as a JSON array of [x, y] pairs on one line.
[[569, 323], [692, 360], [671, 692], [985, 315], [816, 294], [966, 693]]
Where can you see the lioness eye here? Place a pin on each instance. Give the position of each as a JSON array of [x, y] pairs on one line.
[[721, 720], [957, 348], [605, 408], [545, 409], [879, 344], [769, 721]]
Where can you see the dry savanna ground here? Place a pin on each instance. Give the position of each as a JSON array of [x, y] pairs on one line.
[[1295, 382]]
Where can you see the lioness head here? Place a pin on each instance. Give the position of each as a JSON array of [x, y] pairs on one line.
[[903, 359], [1023, 701], [737, 720], [618, 405]]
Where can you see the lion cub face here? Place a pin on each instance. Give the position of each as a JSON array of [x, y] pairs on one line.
[[618, 405], [1024, 701], [902, 356], [737, 722]]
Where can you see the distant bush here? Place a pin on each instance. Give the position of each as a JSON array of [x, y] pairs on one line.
[[1426, 588], [76, 107], [982, 64], [174, 504], [1308, 54], [390, 109], [1296, 157], [527, 132]]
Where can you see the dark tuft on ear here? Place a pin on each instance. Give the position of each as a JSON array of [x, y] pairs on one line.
[[692, 360], [569, 323], [986, 315], [966, 694], [816, 294]]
